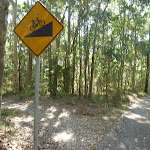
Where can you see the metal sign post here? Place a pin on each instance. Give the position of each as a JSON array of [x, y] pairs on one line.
[[36, 102], [37, 30]]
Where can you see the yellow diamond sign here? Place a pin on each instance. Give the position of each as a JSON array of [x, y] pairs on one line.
[[38, 28]]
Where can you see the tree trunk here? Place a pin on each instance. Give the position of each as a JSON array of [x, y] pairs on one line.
[[93, 55], [73, 68], [134, 66], [73, 65], [86, 57], [67, 80], [77, 30], [50, 60], [123, 48], [56, 62], [56, 72], [56, 58], [30, 65], [50, 66], [15, 48], [19, 69], [3, 29], [29, 71], [80, 75], [147, 71]]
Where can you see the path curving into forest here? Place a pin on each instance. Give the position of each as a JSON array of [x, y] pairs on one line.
[[132, 131]]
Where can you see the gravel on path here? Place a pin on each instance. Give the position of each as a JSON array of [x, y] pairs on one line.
[[59, 127], [132, 131]]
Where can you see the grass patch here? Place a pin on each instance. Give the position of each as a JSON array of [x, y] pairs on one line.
[[142, 94], [11, 112], [8, 112]]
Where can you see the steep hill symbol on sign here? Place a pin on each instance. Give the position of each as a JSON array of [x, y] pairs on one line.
[[38, 28], [44, 31]]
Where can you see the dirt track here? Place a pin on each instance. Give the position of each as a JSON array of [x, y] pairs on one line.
[[61, 127], [133, 131]]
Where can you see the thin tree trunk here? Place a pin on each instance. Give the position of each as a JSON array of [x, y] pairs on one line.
[[56, 62], [67, 88], [56, 73], [94, 45], [56, 66], [29, 71], [86, 57], [56, 57], [93, 55], [147, 75], [3, 26], [147, 71], [15, 48], [30, 65], [85, 77], [19, 69], [50, 66], [74, 47], [134, 66], [123, 49], [49, 60], [73, 69], [80, 74]]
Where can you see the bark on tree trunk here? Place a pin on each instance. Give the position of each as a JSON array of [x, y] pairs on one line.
[[67, 80], [147, 75], [54, 92], [74, 47], [86, 57], [93, 55], [30, 65], [134, 66], [80, 76], [56, 66], [50, 66], [3, 29], [56, 63], [49, 60], [147, 72], [123, 48], [29, 74], [73, 69], [15, 48], [19, 69]]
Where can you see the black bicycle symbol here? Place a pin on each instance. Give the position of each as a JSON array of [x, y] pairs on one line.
[[36, 23]]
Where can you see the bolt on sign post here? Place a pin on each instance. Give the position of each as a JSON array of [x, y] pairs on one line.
[[37, 30]]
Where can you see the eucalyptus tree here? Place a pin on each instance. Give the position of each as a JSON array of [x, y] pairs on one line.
[[14, 5], [146, 3], [147, 71], [98, 16], [3, 26], [29, 74]]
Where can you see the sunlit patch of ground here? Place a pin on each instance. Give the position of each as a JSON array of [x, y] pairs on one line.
[[63, 137]]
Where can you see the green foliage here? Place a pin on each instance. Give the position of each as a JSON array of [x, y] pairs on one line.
[[25, 94], [66, 78], [144, 46], [9, 112], [114, 51]]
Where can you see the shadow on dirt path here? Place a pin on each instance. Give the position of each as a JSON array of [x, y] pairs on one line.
[[132, 131]]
